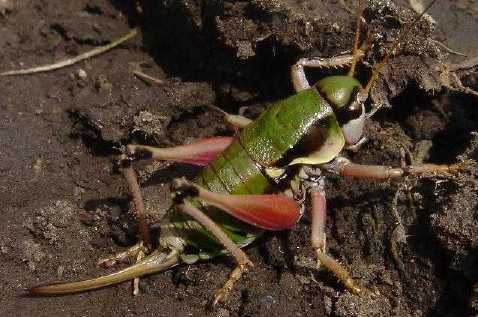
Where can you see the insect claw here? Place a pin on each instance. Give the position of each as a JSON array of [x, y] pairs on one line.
[[461, 166], [223, 293]]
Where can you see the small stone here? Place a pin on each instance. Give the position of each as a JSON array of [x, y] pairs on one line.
[[81, 74], [59, 271], [221, 312], [77, 192], [245, 50], [39, 164], [103, 85], [268, 301], [31, 253], [6, 6], [50, 221]]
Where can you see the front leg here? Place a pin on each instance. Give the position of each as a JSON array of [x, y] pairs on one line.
[[344, 167], [299, 80]]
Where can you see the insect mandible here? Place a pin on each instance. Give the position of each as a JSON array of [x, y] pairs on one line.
[[296, 141]]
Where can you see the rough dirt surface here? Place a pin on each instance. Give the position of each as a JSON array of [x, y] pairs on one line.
[[63, 207]]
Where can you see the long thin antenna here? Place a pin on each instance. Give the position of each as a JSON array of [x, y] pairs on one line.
[[356, 40], [396, 44]]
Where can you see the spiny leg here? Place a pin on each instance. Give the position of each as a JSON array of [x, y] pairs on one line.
[[313, 183], [124, 256], [297, 71], [139, 250], [318, 212], [243, 262], [299, 80], [271, 212], [144, 246], [344, 167]]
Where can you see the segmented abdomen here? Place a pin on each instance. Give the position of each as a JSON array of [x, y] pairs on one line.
[[235, 172]]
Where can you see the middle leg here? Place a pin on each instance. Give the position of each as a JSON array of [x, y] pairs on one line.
[[313, 185]]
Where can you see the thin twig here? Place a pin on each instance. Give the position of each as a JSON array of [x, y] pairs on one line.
[[148, 78], [468, 63], [446, 48], [450, 79], [74, 60], [398, 234]]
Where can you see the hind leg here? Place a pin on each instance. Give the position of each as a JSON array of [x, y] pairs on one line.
[[272, 212], [243, 262]]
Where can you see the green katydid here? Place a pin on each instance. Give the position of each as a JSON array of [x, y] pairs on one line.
[[232, 200]]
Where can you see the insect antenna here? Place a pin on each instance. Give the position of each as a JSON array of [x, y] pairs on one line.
[[355, 56], [396, 44]]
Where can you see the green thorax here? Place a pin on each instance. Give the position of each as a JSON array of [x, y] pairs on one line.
[[304, 120]]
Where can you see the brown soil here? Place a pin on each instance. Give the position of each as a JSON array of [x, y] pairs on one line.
[[63, 207]]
